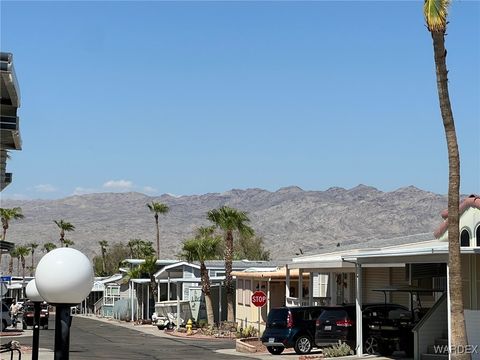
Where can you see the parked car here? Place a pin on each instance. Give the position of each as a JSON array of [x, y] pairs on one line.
[[6, 320], [386, 328], [289, 327], [29, 314]]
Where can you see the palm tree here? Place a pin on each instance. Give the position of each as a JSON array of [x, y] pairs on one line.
[[158, 208], [49, 246], [7, 215], [203, 247], [435, 12], [63, 226], [68, 242], [13, 255], [230, 220], [23, 251], [149, 268], [33, 246], [103, 246]]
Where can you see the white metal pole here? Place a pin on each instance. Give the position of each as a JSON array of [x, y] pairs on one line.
[[310, 289], [143, 301], [300, 286], [178, 308], [130, 284], [258, 320], [358, 306], [148, 302], [168, 287], [287, 284], [268, 295], [220, 302]]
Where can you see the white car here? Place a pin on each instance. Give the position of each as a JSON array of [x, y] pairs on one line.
[[6, 320]]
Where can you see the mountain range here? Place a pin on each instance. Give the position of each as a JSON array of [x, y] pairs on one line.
[[290, 220]]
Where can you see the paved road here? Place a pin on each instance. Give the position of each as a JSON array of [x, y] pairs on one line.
[[93, 339]]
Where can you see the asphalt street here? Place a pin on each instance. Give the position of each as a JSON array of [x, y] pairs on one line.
[[93, 339]]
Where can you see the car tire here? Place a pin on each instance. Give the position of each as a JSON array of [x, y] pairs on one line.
[[275, 350], [170, 326], [4, 325], [303, 345], [373, 345], [160, 327]]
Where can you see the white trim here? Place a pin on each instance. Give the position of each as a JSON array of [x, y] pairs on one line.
[[174, 265]]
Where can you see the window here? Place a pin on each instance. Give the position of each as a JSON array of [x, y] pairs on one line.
[[465, 238], [477, 235], [248, 292], [240, 291]]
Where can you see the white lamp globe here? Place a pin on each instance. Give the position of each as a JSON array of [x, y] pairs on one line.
[[64, 276], [32, 292]]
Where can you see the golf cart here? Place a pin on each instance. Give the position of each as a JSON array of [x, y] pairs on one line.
[[395, 328], [166, 315]]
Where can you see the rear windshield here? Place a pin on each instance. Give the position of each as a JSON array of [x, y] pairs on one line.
[[277, 316], [333, 314]]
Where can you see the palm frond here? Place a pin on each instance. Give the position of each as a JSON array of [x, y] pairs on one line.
[[435, 13]]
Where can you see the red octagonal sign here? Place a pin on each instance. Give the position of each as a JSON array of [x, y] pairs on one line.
[[259, 298]]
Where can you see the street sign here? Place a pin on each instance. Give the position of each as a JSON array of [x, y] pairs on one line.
[[6, 278], [259, 299]]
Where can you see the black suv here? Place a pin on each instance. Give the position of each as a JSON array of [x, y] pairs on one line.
[[386, 328], [291, 327]]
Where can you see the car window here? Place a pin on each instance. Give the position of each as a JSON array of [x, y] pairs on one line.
[[300, 315], [277, 316], [399, 314], [314, 314], [333, 314], [5, 308]]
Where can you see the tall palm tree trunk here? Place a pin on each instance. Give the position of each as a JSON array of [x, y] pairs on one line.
[[103, 261], [206, 291], [458, 331], [158, 236], [10, 265], [228, 276], [23, 277], [33, 262]]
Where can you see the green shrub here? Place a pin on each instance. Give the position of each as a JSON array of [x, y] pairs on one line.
[[202, 323], [340, 349], [249, 331]]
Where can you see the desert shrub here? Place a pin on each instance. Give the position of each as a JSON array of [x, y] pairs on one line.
[[202, 323], [340, 349], [249, 331]]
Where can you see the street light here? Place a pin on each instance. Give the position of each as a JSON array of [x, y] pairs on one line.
[[32, 293], [64, 277]]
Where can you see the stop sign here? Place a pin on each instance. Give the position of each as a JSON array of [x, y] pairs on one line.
[[259, 298]]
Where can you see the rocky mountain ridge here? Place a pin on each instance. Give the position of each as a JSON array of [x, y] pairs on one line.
[[288, 219]]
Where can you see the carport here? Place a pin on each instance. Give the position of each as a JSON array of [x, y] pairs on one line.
[[343, 263], [430, 252]]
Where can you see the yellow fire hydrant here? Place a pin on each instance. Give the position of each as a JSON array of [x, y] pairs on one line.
[[189, 327]]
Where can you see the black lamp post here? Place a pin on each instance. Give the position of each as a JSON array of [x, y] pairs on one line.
[[64, 277], [34, 296]]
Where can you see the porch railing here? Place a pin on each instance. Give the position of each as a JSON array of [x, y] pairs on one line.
[[316, 301]]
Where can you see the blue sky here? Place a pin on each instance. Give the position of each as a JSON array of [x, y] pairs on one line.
[[197, 97]]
